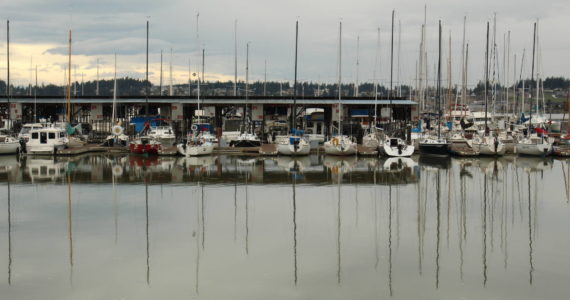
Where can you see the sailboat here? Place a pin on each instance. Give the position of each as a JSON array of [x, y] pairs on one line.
[[145, 144], [372, 139], [394, 146], [295, 143], [196, 144], [533, 144], [340, 144], [117, 136], [436, 145], [488, 144], [247, 137]]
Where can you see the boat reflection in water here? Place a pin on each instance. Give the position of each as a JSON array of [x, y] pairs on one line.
[[243, 227]]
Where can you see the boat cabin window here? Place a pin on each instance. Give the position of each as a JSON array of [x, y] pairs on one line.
[[393, 143], [43, 137], [61, 134], [51, 135], [35, 135]]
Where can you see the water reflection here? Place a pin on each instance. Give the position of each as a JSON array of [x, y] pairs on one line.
[[325, 227]]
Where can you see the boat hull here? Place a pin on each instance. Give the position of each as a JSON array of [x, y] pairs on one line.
[[245, 143], [534, 149], [290, 149], [439, 149], [149, 149], [491, 150], [404, 151], [195, 150], [340, 150], [9, 148]]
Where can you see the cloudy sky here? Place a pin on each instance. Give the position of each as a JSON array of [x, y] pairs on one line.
[[101, 28]]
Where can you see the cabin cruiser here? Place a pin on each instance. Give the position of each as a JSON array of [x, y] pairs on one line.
[[340, 145], [47, 140], [26, 128]]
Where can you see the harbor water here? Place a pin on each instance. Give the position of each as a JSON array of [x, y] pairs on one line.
[[245, 227]]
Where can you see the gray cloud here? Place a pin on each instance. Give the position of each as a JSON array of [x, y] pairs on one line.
[[105, 27]]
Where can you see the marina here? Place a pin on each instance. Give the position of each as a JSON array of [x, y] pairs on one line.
[[264, 150]]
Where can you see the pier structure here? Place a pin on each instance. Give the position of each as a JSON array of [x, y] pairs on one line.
[[215, 109]]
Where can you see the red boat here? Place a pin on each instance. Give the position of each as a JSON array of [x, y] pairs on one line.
[[145, 145]]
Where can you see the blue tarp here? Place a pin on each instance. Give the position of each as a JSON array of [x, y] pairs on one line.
[[154, 121], [359, 112]]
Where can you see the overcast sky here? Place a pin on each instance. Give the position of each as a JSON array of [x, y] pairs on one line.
[[39, 31]]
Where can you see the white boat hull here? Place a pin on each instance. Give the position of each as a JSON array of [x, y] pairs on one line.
[[195, 150], [44, 149], [9, 148], [340, 146], [302, 148], [534, 149]]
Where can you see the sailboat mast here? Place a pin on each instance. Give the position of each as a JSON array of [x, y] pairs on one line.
[[294, 110], [357, 66], [198, 98], [160, 81], [463, 72], [340, 78], [246, 81], [507, 70], [390, 94], [449, 79], [439, 85], [8, 91], [170, 75], [36, 96], [399, 54], [235, 58], [69, 82], [97, 83], [532, 72], [486, 77], [375, 77], [146, 82], [114, 91]]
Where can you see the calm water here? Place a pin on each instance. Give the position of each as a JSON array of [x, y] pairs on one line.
[[119, 227]]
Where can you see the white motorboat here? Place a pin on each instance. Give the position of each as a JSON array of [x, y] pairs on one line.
[[46, 141], [164, 134], [340, 145], [27, 128], [195, 146], [9, 145], [534, 145], [489, 145], [294, 145], [396, 147]]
